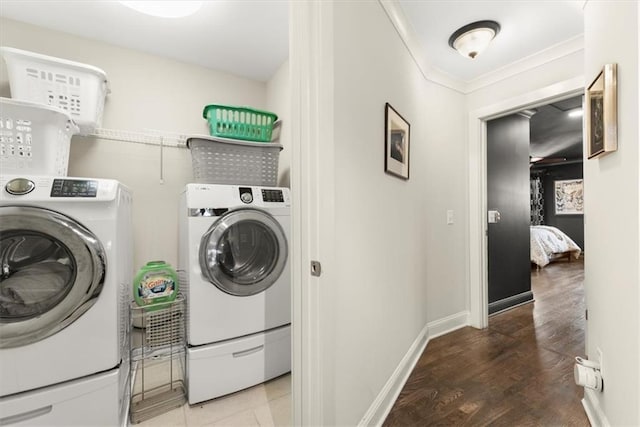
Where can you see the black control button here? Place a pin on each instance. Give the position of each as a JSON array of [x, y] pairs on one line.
[[246, 195]]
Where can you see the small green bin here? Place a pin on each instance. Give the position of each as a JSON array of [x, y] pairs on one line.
[[239, 122]]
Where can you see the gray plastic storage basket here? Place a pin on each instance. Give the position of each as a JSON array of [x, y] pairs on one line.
[[225, 161]]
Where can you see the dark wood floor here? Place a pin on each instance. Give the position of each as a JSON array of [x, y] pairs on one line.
[[517, 372]]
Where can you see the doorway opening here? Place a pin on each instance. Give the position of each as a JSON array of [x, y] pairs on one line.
[[556, 178], [478, 218], [534, 198]]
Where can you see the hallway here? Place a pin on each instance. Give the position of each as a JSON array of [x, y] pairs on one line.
[[519, 371]]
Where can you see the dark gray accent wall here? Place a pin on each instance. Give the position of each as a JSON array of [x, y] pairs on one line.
[[572, 225], [509, 262]]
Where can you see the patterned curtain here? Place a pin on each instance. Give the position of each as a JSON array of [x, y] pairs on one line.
[[537, 201]]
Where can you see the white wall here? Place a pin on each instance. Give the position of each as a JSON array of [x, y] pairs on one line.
[[549, 73], [612, 191], [396, 264], [147, 93], [279, 101]]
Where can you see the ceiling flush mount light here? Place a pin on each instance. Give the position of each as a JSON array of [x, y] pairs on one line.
[[576, 113], [165, 9], [472, 39]]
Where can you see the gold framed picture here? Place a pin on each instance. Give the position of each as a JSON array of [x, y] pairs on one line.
[[601, 113]]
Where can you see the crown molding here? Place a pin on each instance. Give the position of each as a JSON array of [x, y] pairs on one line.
[[407, 34], [552, 53]]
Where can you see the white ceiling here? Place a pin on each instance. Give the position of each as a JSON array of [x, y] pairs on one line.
[[247, 38], [250, 37]]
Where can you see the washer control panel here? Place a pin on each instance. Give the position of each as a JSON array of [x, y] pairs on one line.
[[74, 188]]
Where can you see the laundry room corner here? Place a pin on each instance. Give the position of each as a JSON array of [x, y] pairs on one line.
[[145, 143], [150, 95]]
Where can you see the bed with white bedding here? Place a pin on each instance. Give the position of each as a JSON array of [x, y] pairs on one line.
[[549, 243]]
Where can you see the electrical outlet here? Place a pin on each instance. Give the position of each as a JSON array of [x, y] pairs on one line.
[[600, 360]]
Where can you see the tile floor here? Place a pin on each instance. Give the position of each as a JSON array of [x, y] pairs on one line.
[[267, 404]]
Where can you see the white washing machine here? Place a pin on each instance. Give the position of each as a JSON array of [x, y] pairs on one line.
[[66, 268], [233, 256]]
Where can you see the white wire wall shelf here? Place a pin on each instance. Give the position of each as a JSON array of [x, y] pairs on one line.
[[150, 137]]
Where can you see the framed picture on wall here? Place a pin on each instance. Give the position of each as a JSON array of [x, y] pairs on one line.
[[569, 197], [601, 113], [396, 146]]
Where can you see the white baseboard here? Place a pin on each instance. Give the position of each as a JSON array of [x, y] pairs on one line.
[[448, 324], [383, 403], [597, 418]]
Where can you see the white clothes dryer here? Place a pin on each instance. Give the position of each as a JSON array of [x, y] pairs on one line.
[[233, 256], [234, 250], [66, 268]]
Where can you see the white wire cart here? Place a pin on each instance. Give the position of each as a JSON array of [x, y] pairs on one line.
[[158, 349]]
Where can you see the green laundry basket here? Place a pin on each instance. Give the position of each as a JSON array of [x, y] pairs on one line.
[[239, 122]]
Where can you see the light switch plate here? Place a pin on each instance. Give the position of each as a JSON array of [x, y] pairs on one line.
[[449, 217]]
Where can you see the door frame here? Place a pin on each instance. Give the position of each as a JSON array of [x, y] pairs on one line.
[[477, 150], [312, 201]]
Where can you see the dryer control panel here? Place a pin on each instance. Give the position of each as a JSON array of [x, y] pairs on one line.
[[214, 197], [272, 196]]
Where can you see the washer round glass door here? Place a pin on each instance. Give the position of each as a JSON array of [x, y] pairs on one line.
[[52, 272], [243, 252]]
